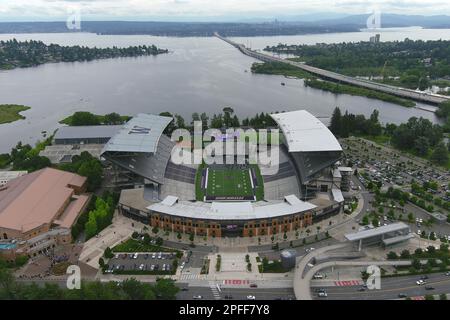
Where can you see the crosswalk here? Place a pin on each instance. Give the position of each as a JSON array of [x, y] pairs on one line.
[[191, 276], [214, 290], [348, 283]]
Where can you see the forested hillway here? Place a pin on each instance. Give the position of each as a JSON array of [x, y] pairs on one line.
[[16, 54]]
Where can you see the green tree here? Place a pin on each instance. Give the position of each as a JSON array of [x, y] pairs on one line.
[[336, 121], [91, 226], [82, 118], [440, 154], [93, 171], [112, 119]]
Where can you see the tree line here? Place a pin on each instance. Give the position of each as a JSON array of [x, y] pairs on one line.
[[30, 53], [129, 289], [412, 64], [418, 135]]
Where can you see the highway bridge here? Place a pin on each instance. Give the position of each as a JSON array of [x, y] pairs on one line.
[[400, 92]]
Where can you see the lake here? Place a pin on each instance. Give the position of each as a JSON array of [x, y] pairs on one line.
[[198, 75]]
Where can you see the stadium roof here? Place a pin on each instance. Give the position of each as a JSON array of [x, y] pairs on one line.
[[231, 210], [85, 132], [394, 227], [140, 134], [305, 133]]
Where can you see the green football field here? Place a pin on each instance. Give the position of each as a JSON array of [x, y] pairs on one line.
[[229, 183]]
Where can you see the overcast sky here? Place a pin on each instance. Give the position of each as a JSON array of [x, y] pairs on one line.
[[26, 10]]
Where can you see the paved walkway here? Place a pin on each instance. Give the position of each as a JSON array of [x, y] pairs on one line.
[[120, 230]]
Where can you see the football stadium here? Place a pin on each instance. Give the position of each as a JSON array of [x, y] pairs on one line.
[[224, 199]]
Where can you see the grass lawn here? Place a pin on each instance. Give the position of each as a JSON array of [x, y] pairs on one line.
[[132, 245], [273, 267], [229, 182], [11, 112]]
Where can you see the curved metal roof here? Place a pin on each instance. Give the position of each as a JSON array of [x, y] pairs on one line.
[[140, 134], [305, 133]]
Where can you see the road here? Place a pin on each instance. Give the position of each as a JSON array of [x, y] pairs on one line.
[[390, 289], [402, 92], [236, 293]]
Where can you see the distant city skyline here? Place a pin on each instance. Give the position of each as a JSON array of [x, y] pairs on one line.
[[210, 10]]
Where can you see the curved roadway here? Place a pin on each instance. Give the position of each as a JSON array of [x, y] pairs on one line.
[[302, 280]]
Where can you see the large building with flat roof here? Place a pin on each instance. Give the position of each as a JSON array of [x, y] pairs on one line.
[[38, 209], [223, 219], [85, 134]]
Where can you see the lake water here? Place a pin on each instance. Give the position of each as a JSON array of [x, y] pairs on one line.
[[199, 75]]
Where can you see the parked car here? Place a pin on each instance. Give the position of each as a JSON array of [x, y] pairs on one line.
[[322, 294], [253, 285], [197, 297], [251, 297]]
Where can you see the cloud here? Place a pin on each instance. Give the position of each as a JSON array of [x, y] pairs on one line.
[[104, 9]]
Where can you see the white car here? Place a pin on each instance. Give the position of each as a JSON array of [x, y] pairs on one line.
[[420, 282], [322, 294], [141, 267], [198, 297], [135, 256], [251, 298], [154, 256]]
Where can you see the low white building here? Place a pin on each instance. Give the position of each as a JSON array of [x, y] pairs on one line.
[[7, 176]]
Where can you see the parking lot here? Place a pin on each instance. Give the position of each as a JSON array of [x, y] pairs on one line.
[[152, 263]]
